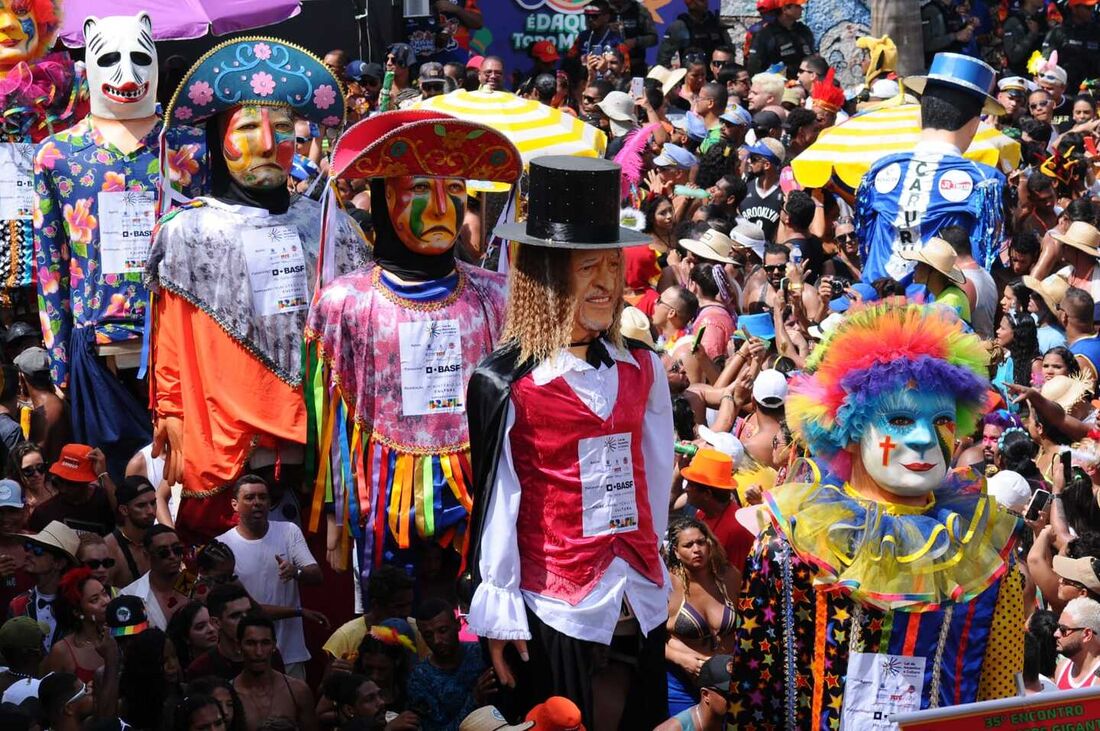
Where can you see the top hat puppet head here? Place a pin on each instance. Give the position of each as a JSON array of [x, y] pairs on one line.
[[247, 92], [567, 276], [955, 71], [418, 162]]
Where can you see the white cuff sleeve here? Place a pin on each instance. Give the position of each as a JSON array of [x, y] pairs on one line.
[[498, 614]]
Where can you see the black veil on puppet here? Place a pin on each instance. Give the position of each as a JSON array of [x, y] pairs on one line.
[[403, 142]]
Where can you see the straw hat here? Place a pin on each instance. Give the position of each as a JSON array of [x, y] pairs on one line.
[[939, 255], [1066, 391], [669, 78], [1051, 289], [1082, 236], [711, 468], [712, 245], [635, 325]]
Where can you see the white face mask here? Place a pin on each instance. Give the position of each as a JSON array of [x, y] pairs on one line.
[[906, 446], [122, 66]]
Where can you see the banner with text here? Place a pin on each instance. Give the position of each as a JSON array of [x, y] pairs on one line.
[[1071, 710]]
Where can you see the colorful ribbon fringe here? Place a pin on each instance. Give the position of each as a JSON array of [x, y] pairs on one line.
[[372, 484]]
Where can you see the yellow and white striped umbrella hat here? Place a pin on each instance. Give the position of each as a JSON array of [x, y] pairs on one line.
[[851, 148], [535, 129]]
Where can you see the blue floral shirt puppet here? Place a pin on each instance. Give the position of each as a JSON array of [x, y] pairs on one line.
[[90, 198]]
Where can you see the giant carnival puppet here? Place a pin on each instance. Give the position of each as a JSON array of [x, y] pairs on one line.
[[906, 198], [95, 194], [40, 93], [884, 582], [571, 434], [392, 346], [232, 278]]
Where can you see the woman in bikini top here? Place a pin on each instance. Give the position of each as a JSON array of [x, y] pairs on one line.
[[702, 615]]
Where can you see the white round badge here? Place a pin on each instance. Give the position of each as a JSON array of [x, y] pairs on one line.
[[956, 185], [888, 178], [122, 614]]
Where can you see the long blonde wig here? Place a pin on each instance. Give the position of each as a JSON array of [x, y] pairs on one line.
[[542, 306]]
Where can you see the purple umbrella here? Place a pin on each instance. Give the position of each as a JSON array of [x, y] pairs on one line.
[[180, 19]]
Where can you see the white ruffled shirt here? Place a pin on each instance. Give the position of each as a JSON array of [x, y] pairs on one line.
[[497, 609]]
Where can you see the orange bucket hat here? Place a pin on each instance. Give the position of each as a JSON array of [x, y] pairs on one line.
[[711, 468]]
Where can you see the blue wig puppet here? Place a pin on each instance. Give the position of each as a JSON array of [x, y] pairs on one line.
[[891, 560]]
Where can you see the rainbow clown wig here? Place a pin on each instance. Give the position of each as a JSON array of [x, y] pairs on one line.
[[877, 351]]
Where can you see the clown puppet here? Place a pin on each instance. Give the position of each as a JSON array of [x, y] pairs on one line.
[[232, 275], [888, 577], [42, 93], [95, 191], [392, 346], [571, 434]]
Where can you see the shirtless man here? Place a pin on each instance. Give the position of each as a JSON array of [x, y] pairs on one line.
[[264, 692], [760, 287], [137, 504]]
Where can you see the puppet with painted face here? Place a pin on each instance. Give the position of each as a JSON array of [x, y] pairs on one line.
[[232, 275], [891, 559], [392, 346], [95, 189], [41, 94]]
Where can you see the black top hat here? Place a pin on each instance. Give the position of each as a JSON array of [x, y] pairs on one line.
[[572, 203]]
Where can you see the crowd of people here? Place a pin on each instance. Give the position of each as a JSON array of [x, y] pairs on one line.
[[116, 620]]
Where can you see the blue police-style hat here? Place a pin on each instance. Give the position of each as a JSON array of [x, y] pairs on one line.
[[962, 72], [737, 115], [258, 70], [675, 156], [867, 293]]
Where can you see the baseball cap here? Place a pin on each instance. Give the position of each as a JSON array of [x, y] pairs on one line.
[[715, 674], [403, 54], [488, 718], [724, 442], [556, 713], [760, 325], [749, 235], [432, 72], [764, 151], [545, 51], [58, 537], [738, 115], [20, 330], [673, 155], [1084, 570], [867, 293], [696, 127], [22, 633], [1010, 490], [126, 616], [1053, 74], [770, 388], [596, 7], [32, 360], [358, 69], [766, 119], [474, 62], [11, 494], [74, 464], [132, 486]]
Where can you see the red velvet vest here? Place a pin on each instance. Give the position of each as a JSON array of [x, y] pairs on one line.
[[575, 519]]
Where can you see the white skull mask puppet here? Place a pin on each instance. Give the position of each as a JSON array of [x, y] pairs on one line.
[[122, 66]]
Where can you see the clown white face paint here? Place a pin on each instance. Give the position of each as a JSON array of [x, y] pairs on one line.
[[122, 66], [908, 443]]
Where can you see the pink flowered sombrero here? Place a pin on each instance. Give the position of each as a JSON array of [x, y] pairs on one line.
[[258, 70]]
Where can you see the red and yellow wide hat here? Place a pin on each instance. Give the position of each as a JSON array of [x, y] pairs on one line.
[[425, 142]]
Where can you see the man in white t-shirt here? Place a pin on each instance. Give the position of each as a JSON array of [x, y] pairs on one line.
[[272, 558]]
